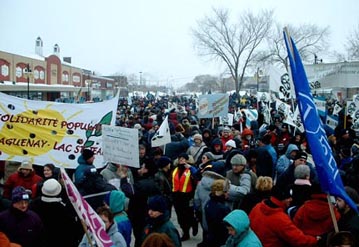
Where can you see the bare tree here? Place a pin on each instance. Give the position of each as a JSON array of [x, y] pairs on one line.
[[233, 43], [309, 39], [352, 44]]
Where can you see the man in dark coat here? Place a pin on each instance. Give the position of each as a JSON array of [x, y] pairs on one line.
[[21, 225]]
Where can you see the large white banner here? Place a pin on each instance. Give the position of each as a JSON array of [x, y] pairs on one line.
[[333, 75], [50, 132], [120, 145]]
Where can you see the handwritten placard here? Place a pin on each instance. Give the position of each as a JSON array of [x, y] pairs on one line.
[[120, 145]]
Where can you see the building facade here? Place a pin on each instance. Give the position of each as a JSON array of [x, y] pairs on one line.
[[48, 78]]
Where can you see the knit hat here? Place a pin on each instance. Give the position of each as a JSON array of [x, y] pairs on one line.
[[209, 155], [281, 192], [18, 194], [197, 136], [183, 155], [51, 188], [26, 164], [163, 161], [87, 154], [157, 203], [231, 143], [238, 159], [301, 155]]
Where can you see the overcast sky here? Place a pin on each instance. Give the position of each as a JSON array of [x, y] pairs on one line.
[[148, 36]]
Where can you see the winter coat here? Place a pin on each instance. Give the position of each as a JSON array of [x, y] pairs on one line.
[[115, 236], [201, 195], [350, 222], [274, 228], [176, 147], [285, 160], [59, 219], [81, 169], [215, 211], [314, 217], [244, 237], [116, 200], [162, 224], [239, 188], [17, 179], [24, 228], [196, 151]]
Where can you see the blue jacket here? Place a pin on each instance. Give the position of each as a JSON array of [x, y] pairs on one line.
[[116, 202], [81, 170], [244, 237]]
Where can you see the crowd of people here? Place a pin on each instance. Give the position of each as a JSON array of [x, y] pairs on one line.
[[243, 186]]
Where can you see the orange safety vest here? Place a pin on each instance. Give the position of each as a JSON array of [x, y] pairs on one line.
[[183, 183]]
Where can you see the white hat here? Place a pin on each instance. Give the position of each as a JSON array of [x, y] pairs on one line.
[[51, 187], [26, 164], [137, 126], [231, 143]]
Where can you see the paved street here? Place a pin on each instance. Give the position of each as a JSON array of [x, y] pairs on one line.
[[193, 241]]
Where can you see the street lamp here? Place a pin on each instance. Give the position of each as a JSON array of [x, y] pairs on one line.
[[28, 73], [140, 78]]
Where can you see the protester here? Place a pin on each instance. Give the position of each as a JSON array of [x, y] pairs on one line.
[[240, 233], [261, 192], [183, 191], [349, 219], [58, 218], [162, 178], [144, 187], [111, 230], [286, 159], [22, 225], [159, 220], [215, 210], [49, 171], [25, 176], [85, 161], [273, 226], [116, 201], [201, 197], [198, 147], [240, 181]]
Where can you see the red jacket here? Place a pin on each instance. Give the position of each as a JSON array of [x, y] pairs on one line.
[[313, 217], [17, 179], [274, 227]]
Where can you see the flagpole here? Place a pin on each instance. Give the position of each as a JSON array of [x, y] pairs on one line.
[[335, 223]]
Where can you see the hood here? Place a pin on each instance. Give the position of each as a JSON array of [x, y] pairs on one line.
[[206, 182], [291, 148], [116, 201], [239, 220]]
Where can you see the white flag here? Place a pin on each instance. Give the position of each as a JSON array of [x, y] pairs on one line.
[[162, 135]]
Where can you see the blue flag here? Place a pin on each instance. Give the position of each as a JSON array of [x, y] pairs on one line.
[[325, 163]]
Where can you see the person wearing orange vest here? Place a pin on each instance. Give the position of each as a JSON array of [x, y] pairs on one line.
[[183, 191]]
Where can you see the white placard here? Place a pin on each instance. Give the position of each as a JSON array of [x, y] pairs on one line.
[[120, 145]]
